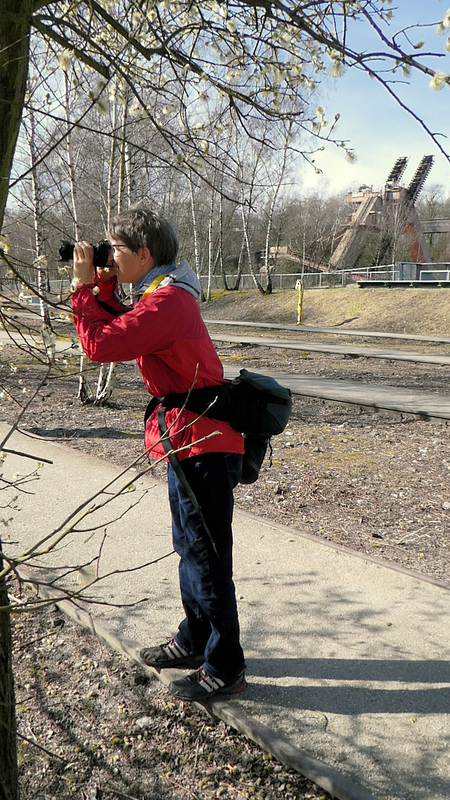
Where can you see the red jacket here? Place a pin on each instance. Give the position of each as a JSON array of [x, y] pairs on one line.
[[166, 335]]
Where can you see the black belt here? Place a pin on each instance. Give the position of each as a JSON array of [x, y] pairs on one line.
[[211, 401]]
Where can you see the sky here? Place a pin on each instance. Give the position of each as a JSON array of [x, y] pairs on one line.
[[376, 128]]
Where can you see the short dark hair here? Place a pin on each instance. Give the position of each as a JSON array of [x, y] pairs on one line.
[[141, 227]]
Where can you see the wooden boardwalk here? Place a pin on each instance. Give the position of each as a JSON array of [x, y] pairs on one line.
[[342, 350], [338, 331], [389, 398]]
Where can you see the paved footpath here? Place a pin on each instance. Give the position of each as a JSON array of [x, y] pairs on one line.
[[348, 659]]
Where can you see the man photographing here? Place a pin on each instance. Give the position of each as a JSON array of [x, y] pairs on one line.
[[164, 332]]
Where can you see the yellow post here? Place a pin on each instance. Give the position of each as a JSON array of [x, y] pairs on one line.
[[299, 286]]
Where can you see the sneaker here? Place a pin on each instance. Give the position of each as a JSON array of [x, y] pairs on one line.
[[170, 654], [201, 686]]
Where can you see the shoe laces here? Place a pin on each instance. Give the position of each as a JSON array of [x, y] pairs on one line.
[[208, 682], [200, 674]]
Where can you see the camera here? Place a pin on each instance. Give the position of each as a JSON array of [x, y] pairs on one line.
[[102, 252]]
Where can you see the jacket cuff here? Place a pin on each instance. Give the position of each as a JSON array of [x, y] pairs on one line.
[[106, 289]]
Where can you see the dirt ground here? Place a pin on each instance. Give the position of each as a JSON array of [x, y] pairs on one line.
[[377, 483], [93, 727]]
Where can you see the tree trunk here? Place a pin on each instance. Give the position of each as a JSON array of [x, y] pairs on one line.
[[196, 264], [40, 261], [112, 159], [123, 153], [69, 156], [14, 54], [249, 251], [271, 212], [9, 789], [210, 245]]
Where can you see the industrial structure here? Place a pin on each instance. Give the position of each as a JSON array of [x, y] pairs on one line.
[[388, 213]]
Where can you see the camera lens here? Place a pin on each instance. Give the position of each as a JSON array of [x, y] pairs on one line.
[[66, 251]]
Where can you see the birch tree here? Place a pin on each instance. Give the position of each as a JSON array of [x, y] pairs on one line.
[[273, 197], [39, 262]]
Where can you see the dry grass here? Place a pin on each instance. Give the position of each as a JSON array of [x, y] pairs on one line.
[[414, 311]]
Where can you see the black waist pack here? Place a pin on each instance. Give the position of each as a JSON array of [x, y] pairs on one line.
[[253, 404], [259, 404]]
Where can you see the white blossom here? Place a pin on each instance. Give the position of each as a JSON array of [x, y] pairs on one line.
[[65, 58], [438, 81]]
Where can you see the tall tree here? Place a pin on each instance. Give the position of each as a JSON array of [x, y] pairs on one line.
[[15, 33], [273, 197]]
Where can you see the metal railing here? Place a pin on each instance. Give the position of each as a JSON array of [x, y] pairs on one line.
[[310, 280], [435, 275], [400, 271]]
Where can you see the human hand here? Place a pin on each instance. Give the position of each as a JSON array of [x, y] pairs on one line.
[[107, 273], [83, 262]]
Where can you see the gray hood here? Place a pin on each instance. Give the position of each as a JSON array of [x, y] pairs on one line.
[[182, 276]]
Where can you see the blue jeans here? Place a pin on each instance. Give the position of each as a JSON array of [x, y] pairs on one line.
[[211, 625]]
